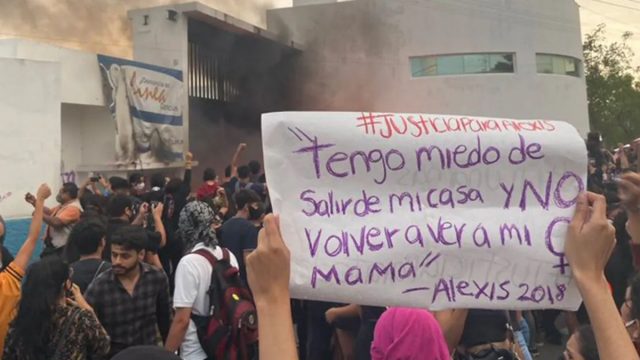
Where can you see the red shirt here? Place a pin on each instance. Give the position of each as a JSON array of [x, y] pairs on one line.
[[207, 189]]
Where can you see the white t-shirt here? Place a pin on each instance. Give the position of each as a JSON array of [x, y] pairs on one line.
[[193, 278]]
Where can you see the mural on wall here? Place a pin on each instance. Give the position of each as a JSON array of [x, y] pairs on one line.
[[146, 104], [68, 176]]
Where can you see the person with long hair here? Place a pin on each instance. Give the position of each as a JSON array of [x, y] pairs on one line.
[[50, 326], [11, 277]]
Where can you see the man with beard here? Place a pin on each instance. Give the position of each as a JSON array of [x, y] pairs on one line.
[[131, 299], [60, 219]]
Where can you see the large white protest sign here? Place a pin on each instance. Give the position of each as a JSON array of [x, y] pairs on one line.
[[425, 210]]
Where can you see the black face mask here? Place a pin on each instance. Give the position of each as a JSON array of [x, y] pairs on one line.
[[256, 213]]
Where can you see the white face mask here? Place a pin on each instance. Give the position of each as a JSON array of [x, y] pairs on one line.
[[139, 186]]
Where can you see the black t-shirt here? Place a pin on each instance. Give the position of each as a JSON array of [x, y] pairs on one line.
[[238, 235], [484, 327], [372, 313], [84, 271]]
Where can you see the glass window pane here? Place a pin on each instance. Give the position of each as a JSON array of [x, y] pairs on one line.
[[545, 64], [501, 63], [572, 67], [450, 65], [558, 64], [424, 66], [474, 64], [461, 64]]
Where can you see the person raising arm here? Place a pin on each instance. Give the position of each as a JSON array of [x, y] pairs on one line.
[[268, 270], [236, 158], [11, 277], [590, 241]]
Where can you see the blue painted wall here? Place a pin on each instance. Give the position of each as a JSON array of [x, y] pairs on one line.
[[17, 231]]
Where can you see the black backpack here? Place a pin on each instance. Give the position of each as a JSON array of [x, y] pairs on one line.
[[230, 332]]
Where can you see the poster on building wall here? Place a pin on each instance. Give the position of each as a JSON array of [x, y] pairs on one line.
[[426, 210], [146, 102]]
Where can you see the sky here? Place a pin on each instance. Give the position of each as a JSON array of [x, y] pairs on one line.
[[619, 15]]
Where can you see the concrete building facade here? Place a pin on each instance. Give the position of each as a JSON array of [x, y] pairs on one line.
[[494, 58], [443, 57]]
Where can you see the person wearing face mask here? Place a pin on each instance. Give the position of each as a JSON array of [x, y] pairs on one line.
[[240, 233], [60, 219], [193, 278]]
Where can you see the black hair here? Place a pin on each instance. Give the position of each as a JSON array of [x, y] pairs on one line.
[[587, 343], [593, 137], [130, 237], [484, 327], [243, 172], [227, 171], [209, 174], [634, 284], [255, 167], [157, 180], [135, 178], [246, 196], [118, 204], [86, 235], [41, 290], [119, 183], [70, 189], [92, 204], [4, 234]]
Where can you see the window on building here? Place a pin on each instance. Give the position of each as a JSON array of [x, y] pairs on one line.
[[558, 64], [462, 64]]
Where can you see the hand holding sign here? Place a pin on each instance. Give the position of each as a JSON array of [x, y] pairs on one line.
[[268, 265], [590, 239], [425, 210]]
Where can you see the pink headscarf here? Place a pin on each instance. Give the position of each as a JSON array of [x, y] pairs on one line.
[[408, 334]]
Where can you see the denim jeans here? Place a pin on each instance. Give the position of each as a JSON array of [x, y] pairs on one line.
[[520, 340]]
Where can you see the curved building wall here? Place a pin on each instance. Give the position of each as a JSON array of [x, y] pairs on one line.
[[358, 53]]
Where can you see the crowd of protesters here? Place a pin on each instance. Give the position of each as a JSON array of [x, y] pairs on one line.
[[159, 269]]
